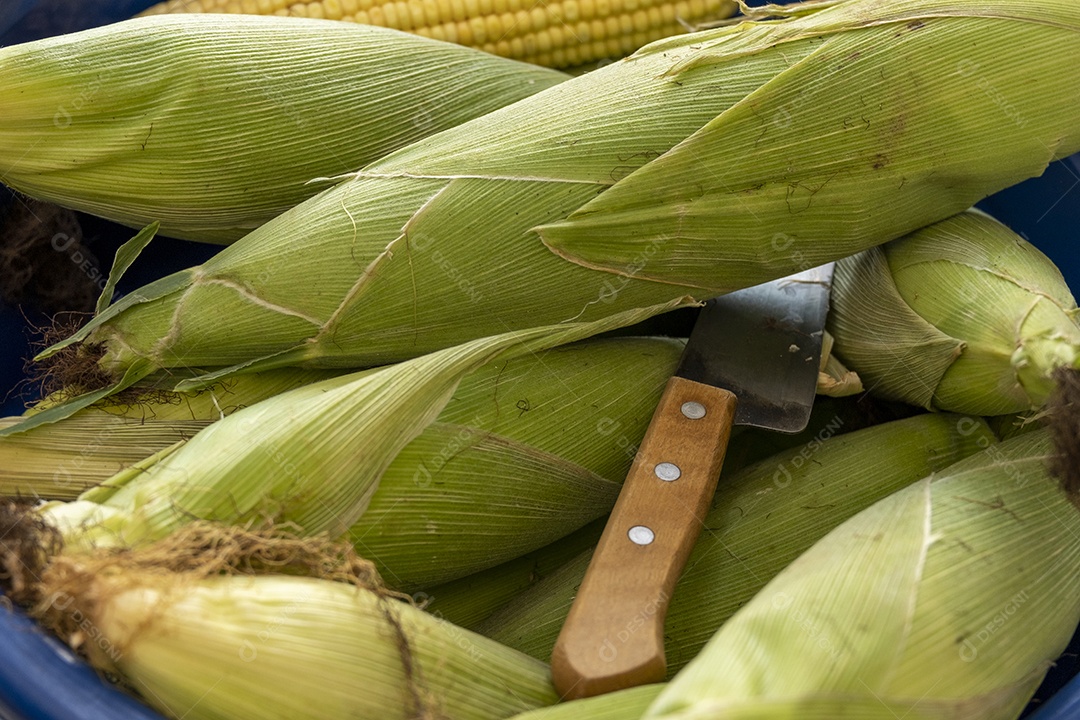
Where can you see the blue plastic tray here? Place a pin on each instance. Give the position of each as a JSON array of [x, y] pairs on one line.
[[41, 680]]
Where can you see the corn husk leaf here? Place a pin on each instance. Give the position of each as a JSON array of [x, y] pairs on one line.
[[58, 462], [626, 704], [532, 399], [293, 647], [152, 399], [474, 598], [213, 125], [589, 403], [834, 379], [470, 600], [763, 517], [949, 598], [312, 457], [963, 315], [493, 500], [527, 450], [700, 165], [829, 417]]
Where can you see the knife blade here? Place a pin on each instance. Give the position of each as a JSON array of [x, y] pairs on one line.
[[752, 359]]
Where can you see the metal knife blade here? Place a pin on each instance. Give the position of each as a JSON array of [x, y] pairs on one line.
[[763, 344], [752, 358]]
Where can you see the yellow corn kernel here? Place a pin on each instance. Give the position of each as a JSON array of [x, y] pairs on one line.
[[331, 9], [497, 30], [538, 18], [390, 16], [522, 22], [560, 33]]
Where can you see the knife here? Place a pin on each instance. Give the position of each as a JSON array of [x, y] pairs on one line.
[[752, 359]]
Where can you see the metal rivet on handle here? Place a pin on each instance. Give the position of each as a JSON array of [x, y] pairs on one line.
[[668, 472], [693, 410], [641, 535]]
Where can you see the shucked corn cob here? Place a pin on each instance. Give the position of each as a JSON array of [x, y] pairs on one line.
[[947, 600], [963, 315], [763, 518], [700, 165], [213, 125], [562, 33]]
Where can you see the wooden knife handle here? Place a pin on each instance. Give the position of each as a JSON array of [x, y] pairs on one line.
[[613, 637]]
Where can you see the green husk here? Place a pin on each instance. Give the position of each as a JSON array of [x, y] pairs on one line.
[[828, 417], [61, 460], [213, 126], [314, 457], [329, 653], [58, 462], [524, 472], [949, 599], [470, 600], [216, 623], [606, 389], [699, 165], [494, 500], [526, 451], [963, 315], [152, 401], [763, 518], [620, 705]]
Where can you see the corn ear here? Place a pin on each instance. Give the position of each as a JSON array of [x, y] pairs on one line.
[[964, 315], [289, 648], [949, 599], [83, 451], [829, 417], [470, 600], [607, 387], [215, 125], [493, 500], [58, 462], [61, 460], [152, 401], [294, 458], [762, 519], [558, 34], [526, 451], [627, 704], [701, 164]]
